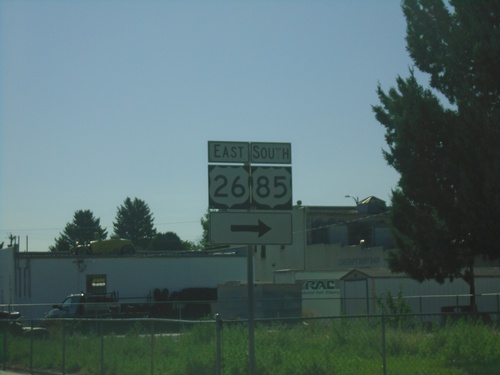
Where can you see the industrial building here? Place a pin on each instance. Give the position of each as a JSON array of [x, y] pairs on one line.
[[34, 281], [335, 265]]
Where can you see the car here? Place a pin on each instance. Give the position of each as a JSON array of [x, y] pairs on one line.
[[111, 246]]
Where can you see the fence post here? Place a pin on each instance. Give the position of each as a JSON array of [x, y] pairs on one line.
[[384, 352], [152, 371], [63, 339], [102, 345], [31, 346], [421, 312], [4, 359], [218, 345], [251, 311], [498, 304]]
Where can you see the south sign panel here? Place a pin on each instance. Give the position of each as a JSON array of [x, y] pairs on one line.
[[270, 153]]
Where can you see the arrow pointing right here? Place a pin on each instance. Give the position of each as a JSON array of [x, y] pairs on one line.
[[260, 228], [251, 228]]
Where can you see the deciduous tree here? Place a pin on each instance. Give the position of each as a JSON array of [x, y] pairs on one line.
[[168, 241]]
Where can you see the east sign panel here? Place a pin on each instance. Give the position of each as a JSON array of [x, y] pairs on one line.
[[228, 152]]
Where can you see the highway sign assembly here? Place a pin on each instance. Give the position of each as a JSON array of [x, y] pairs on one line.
[[254, 188]]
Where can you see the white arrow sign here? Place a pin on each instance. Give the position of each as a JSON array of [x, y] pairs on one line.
[[251, 228]]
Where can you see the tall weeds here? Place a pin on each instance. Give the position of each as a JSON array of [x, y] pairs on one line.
[[314, 347]]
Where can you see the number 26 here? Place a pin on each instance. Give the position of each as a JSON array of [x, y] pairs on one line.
[[237, 188]]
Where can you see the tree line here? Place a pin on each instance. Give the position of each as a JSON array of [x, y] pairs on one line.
[[134, 221]]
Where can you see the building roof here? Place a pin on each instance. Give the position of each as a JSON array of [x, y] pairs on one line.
[[371, 205], [385, 273]]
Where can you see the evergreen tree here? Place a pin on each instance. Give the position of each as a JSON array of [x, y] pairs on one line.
[[446, 208], [83, 229], [134, 221]]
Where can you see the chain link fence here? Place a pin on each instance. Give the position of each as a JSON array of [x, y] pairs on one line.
[[450, 343]]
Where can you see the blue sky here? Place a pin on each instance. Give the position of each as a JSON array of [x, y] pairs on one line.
[[104, 100]]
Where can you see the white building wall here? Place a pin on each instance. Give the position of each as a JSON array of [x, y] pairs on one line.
[[320, 290], [412, 290], [43, 282], [489, 290], [429, 296], [322, 256], [355, 297], [335, 257], [435, 295], [6, 277]]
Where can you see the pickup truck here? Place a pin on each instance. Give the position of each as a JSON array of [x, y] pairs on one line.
[[83, 305], [87, 305], [195, 303]]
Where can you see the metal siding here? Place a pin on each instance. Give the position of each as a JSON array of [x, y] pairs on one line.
[[52, 279], [429, 296], [7, 290], [355, 297]]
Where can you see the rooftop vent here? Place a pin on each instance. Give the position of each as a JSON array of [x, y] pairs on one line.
[[371, 205]]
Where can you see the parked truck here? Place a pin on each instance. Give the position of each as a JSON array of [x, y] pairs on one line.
[[97, 302], [190, 303], [107, 305]]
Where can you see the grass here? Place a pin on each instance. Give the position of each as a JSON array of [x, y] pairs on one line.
[[346, 347]]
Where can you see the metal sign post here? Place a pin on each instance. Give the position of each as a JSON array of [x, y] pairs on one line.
[[251, 311], [255, 203]]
